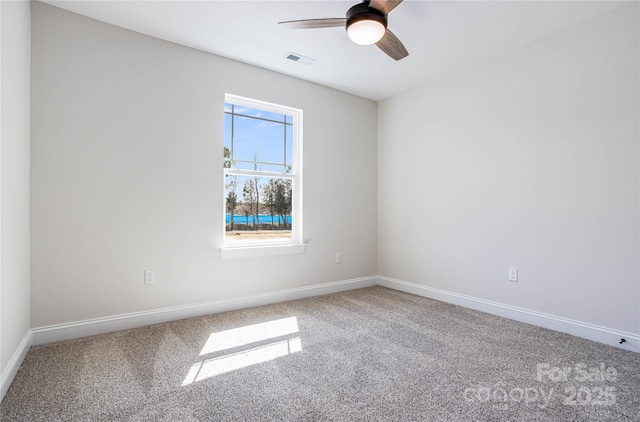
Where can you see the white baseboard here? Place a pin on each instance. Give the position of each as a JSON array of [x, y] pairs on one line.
[[9, 373], [52, 333], [577, 328]]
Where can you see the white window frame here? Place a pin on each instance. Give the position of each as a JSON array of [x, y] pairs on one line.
[[271, 247]]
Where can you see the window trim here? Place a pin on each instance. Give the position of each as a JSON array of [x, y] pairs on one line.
[[293, 245], [261, 251]]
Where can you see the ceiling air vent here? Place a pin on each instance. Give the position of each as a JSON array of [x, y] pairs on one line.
[[298, 58]]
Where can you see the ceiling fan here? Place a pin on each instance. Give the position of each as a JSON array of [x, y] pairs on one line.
[[366, 24]]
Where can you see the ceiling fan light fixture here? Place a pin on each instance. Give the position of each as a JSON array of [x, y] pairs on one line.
[[365, 25], [366, 31]]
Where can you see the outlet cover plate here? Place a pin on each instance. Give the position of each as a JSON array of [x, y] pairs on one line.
[[149, 276]]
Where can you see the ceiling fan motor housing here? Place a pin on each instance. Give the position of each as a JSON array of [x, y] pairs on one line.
[[362, 11]]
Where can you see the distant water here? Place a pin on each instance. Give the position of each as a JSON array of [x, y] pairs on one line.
[[262, 219]]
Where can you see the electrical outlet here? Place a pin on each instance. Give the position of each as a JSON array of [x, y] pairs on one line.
[[513, 274], [338, 257], [149, 276]]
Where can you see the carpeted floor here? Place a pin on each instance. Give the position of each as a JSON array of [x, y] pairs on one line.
[[371, 354]]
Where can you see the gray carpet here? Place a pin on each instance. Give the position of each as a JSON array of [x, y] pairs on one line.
[[372, 354]]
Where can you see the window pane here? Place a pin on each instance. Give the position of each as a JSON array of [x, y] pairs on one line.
[[257, 208]]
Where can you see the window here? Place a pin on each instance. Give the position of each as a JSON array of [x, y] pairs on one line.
[[262, 177]]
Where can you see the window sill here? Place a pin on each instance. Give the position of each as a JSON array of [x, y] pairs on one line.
[[238, 252]]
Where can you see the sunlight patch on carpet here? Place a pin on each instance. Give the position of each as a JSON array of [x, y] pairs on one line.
[[242, 336], [252, 355]]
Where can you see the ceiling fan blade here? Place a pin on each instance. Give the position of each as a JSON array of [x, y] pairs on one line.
[[385, 6], [392, 46], [313, 23]]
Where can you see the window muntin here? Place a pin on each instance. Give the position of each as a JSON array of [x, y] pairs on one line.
[[262, 171]]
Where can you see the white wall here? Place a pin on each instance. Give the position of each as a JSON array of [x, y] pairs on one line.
[[14, 164], [127, 141], [529, 160]]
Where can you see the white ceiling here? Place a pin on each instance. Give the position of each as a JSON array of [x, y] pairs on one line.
[[441, 36]]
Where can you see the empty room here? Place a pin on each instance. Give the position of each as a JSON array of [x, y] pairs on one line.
[[319, 210]]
